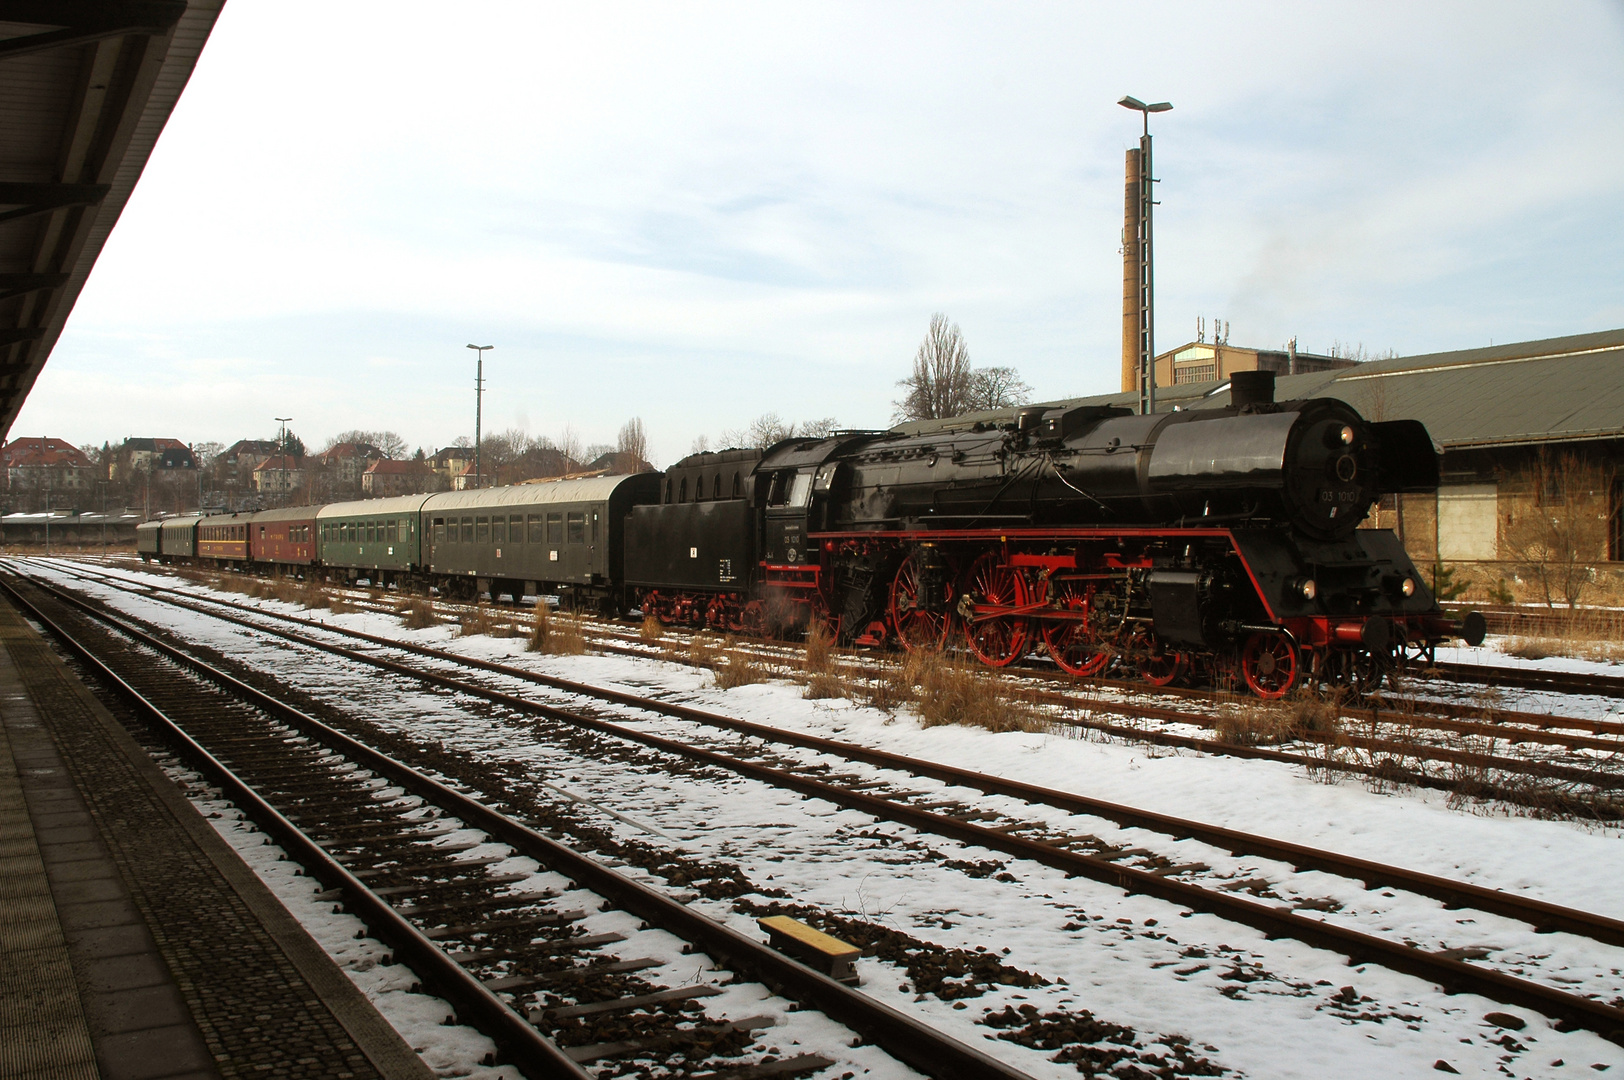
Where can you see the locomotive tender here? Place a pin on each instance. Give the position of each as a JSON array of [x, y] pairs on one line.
[[1222, 544]]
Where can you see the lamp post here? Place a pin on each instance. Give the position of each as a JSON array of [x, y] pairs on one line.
[[479, 402], [282, 449], [1147, 277]]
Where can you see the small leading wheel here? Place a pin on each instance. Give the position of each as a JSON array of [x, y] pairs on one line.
[[996, 638], [1269, 665], [916, 627], [1074, 642], [1158, 665]]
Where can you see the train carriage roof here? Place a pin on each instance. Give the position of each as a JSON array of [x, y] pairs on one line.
[[589, 489], [185, 522], [286, 513], [238, 517], [400, 504]]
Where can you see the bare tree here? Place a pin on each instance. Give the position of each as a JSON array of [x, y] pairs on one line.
[[767, 429], [996, 388], [817, 429], [1562, 533], [569, 449], [701, 444], [940, 383], [631, 450]]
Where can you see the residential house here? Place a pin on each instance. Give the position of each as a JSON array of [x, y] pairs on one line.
[[41, 470], [385, 478]]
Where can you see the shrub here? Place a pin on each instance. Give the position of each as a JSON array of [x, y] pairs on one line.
[[652, 629]]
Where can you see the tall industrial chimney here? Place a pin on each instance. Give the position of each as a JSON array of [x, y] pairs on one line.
[[1131, 252]]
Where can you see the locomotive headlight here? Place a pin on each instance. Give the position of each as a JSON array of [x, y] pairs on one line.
[[1346, 435], [1408, 586], [1304, 587]]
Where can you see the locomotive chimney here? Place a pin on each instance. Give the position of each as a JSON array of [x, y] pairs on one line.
[[1251, 388]]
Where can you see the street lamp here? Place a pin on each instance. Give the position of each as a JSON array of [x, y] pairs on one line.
[[479, 401], [1147, 277], [282, 450]]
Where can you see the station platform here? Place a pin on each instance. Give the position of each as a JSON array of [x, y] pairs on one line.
[[134, 943]]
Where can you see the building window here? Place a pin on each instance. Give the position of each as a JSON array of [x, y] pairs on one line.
[[1189, 373]]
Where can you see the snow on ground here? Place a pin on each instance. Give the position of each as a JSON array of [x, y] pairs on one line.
[[1131, 960]]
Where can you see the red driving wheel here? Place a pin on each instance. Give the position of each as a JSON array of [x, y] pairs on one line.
[[997, 639], [1269, 665], [1074, 643], [916, 628]]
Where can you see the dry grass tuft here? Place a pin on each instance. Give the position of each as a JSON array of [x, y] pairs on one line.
[[561, 636], [953, 691], [826, 684], [820, 649], [737, 668], [314, 596], [476, 620], [419, 615], [1269, 723], [704, 649], [652, 629], [340, 606]]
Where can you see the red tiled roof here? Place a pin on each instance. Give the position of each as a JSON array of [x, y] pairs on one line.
[[43, 452], [386, 467]]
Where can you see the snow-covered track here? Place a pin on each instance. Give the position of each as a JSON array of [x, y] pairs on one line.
[[249, 742], [1101, 865]]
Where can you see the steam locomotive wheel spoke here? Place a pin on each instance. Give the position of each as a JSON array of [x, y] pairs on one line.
[[916, 628], [1073, 643], [1269, 665], [999, 639]]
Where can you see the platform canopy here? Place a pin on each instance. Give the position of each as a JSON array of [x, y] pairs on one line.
[[86, 87]]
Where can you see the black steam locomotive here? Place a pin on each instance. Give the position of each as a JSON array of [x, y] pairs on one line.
[[1222, 544]]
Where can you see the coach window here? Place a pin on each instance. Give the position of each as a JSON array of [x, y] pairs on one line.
[[516, 528], [535, 526], [439, 530], [371, 532], [498, 529], [482, 530], [577, 527], [555, 528], [468, 530]]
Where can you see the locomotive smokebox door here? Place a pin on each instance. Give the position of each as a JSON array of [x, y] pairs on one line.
[[1175, 605]]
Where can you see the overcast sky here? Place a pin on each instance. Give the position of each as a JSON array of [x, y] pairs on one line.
[[700, 213]]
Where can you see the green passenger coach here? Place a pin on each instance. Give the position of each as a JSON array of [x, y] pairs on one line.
[[377, 539], [557, 536]]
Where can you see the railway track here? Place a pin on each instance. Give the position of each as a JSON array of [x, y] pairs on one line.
[[1133, 869], [1379, 743], [521, 966]]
